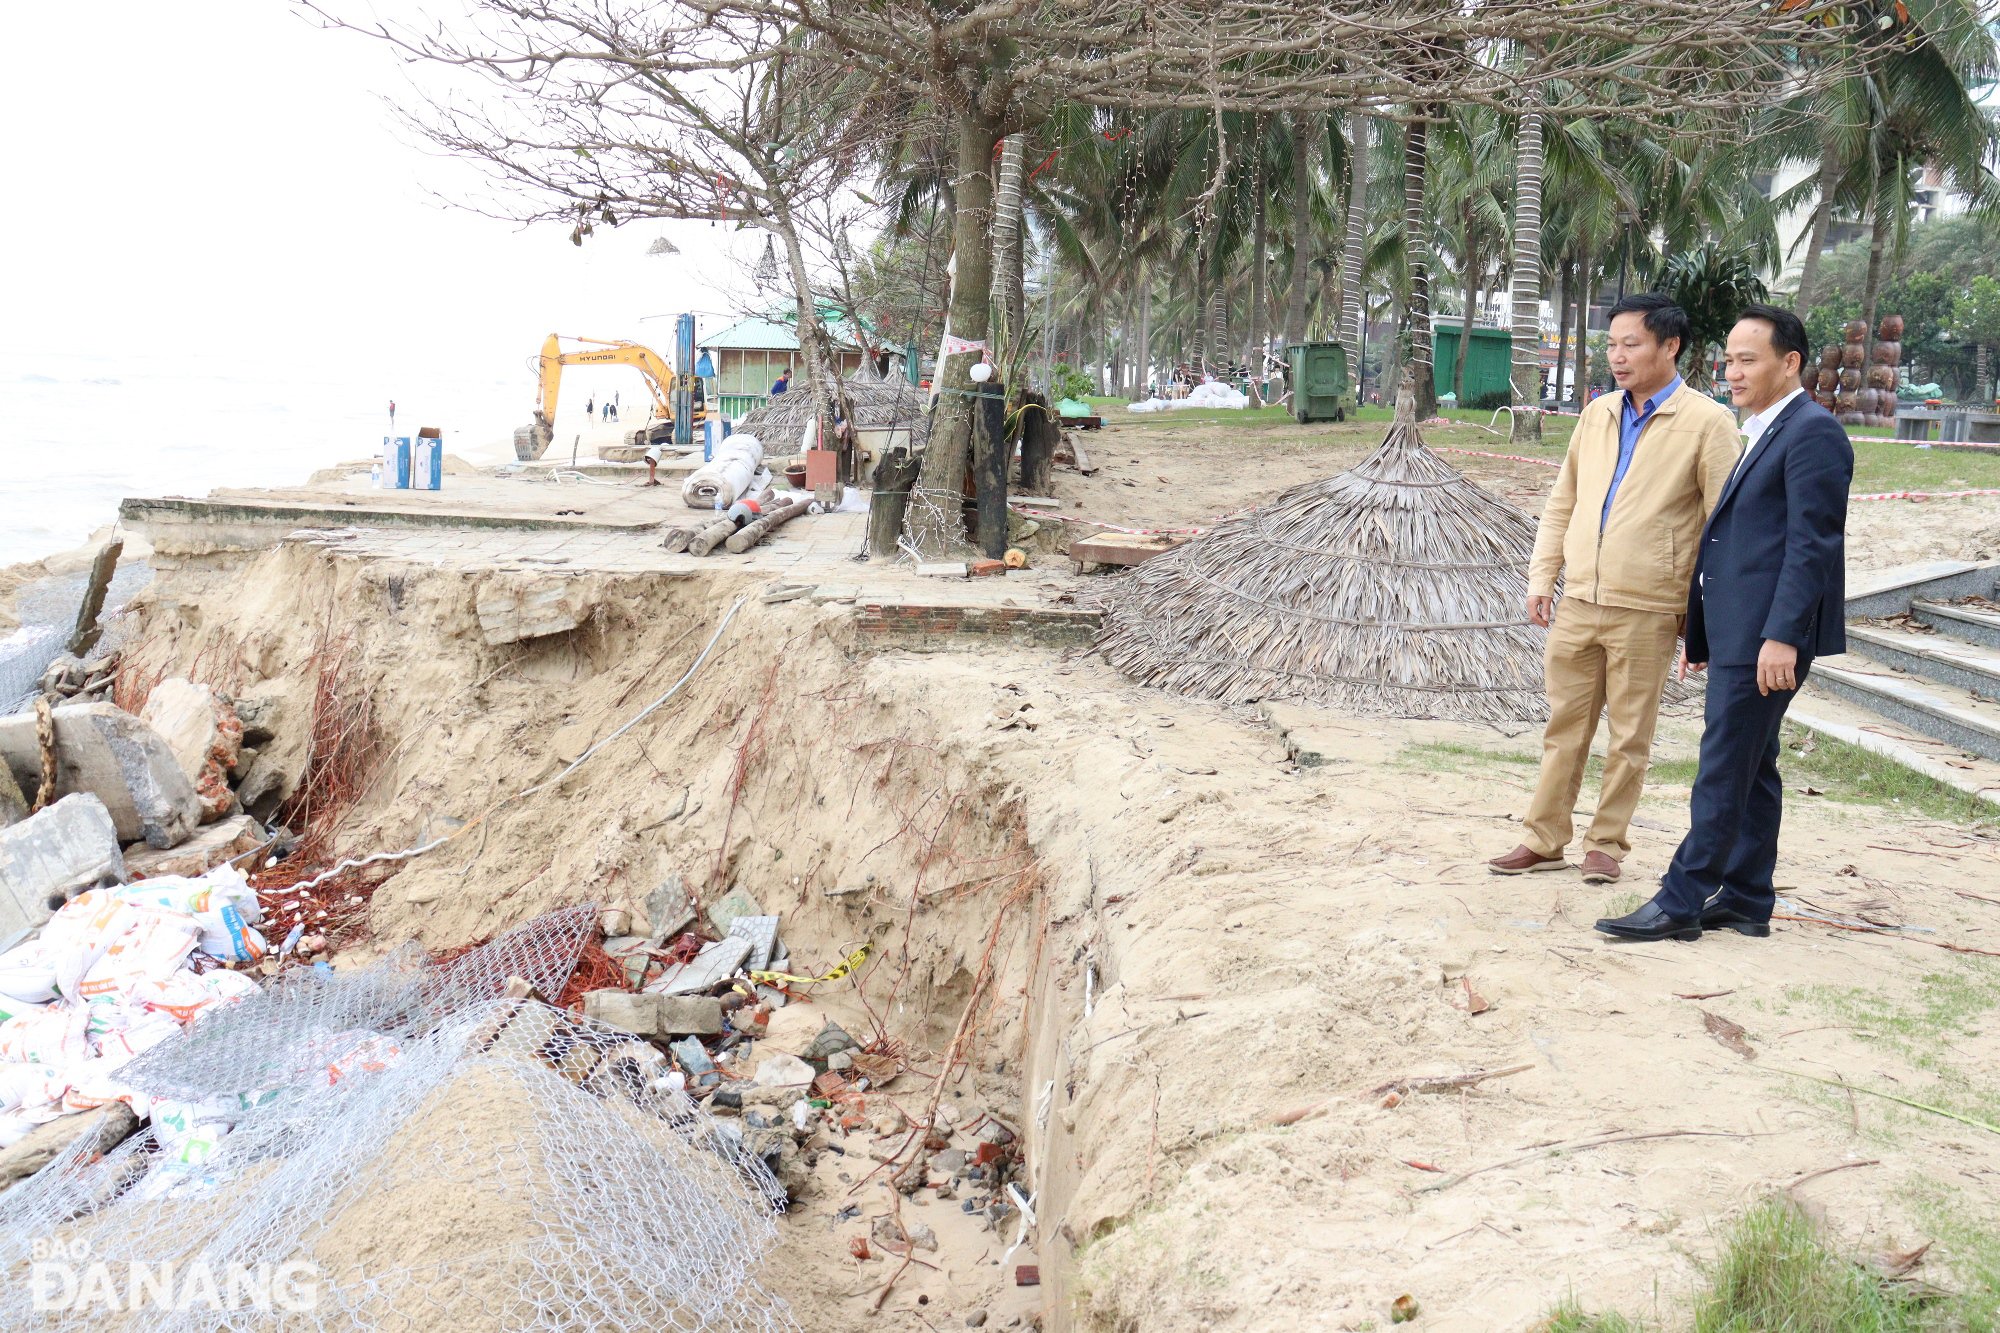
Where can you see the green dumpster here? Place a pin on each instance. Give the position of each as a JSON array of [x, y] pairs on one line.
[[1320, 387]]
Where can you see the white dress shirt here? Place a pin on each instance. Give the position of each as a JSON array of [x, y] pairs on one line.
[[1754, 429]]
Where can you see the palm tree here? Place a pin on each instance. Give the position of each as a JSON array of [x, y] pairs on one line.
[[1713, 284], [1468, 154]]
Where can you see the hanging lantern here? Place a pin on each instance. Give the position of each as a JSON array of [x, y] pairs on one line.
[[766, 272]]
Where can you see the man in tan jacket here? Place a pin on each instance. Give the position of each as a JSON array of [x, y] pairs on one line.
[[1645, 466]]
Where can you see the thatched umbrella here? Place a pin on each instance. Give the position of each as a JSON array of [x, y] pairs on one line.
[[1395, 589], [876, 403]]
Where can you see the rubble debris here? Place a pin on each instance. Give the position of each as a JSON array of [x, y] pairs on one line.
[[104, 750], [654, 1016], [84, 635], [784, 1071], [44, 859], [724, 911], [511, 609], [716, 962], [234, 837], [762, 932], [205, 735]]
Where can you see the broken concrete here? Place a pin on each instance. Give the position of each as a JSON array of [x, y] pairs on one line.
[[655, 1016], [203, 731], [267, 783], [762, 932], [105, 751], [511, 610], [715, 963], [233, 837], [69, 846]]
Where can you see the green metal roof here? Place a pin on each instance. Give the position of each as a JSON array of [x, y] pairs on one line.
[[780, 334]]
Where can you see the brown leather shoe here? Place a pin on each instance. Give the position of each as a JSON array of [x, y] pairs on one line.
[[1523, 860], [1599, 868]]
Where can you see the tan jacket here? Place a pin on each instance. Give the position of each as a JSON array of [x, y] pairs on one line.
[[1644, 556]]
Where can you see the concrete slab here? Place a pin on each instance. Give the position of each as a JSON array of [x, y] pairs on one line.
[[1889, 592], [104, 750], [716, 963], [71, 845]]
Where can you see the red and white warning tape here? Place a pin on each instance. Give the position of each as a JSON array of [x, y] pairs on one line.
[[1925, 495], [1109, 527]]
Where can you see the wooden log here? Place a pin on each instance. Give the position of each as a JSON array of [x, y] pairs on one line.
[[989, 470], [756, 530], [1040, 434], [1083, 463], [677, 539], [895, 473], [712, 536], [84, 636]]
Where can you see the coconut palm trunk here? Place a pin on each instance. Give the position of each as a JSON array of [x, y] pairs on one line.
[[1586, 265], [1144, 358], [1822, 222], [1354, 303], [1470, 254], [1527, 275], [1305, 141], [1253, 335], [1563, 305], [1878, 249], [1008, 299], [1417, 253], [935, 522]]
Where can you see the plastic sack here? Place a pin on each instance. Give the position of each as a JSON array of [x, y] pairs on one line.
[[221, 902], [13, 1129], [57, 1036], [28, 1087], [27, 975], [150, 946], [12, 1008]]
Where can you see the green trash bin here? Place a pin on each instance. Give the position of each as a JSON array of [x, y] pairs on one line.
[[1320, 388]]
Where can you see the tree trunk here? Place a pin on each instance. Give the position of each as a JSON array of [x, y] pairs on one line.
[[1008, 299], [895, 470], [1200, 314], [828, 394], [1469, 252], [936, 514], [1353, 301], [1527, 280], [1878, 248], [1563, 305], [1305, 139], [1982, 379], [1417, 251], [1584, 268], [1145, 349], [1829, 171], [1253, 336]]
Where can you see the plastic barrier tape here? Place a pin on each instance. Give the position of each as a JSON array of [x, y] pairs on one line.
[[848, 964]]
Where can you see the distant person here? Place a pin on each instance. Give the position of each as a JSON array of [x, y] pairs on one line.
[[1768, 596], [392, 414], [590, 406], [782, 383], [605, 415], [1645, 468]]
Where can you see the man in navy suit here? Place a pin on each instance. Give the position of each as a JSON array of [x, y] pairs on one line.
[[1768, 596]]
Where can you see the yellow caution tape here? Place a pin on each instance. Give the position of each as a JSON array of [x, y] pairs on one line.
[[848, 964]]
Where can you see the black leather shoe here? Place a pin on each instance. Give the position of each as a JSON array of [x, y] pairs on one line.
[[1650, 923], [1728, 918]]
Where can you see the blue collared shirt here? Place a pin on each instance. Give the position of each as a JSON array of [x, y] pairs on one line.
[[1630, 423]]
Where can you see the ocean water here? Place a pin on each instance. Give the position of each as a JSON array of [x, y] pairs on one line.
[[80, 433]]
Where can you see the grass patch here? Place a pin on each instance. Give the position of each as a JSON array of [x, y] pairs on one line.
[[1778, 1274], [1433, 755], [1895, 465], [1849, 773], [1951, 1003], [1569, 1317], [1624, 904]]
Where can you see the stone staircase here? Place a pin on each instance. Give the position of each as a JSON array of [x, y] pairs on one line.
[[1920, 681]]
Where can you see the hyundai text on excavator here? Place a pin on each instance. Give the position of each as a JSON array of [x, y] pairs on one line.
[[532, 441]]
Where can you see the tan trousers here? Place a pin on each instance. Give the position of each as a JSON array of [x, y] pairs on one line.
[[1600, 659]]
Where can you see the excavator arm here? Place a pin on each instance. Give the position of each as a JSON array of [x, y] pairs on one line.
[[532, 440]]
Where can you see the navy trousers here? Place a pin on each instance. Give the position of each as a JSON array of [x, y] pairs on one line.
[[1731, 847]]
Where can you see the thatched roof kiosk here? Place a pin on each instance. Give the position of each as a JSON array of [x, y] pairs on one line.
[[878, 404], [1395, 589]]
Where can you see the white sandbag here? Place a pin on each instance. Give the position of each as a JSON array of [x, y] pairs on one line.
[[13, 1129], [222, 903], [28, 1086], [100, 944], [26, 975], [727, 477]]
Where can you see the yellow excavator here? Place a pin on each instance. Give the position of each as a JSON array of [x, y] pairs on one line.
[[532, 441]]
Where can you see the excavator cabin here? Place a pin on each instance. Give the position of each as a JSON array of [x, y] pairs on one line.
[[532, 441]]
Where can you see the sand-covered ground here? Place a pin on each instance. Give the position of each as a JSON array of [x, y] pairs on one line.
[[1206, 982]]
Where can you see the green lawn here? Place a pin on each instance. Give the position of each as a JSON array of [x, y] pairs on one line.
[[1880, 463]]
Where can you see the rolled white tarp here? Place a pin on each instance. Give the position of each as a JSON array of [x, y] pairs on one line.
[[724, 479]]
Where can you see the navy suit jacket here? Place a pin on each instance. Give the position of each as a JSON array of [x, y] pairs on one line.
[[1773, 558]]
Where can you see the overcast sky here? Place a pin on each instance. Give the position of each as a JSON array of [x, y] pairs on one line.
[[221, 176]]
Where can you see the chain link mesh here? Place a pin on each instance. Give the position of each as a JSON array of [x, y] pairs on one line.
[[428, 1155]]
